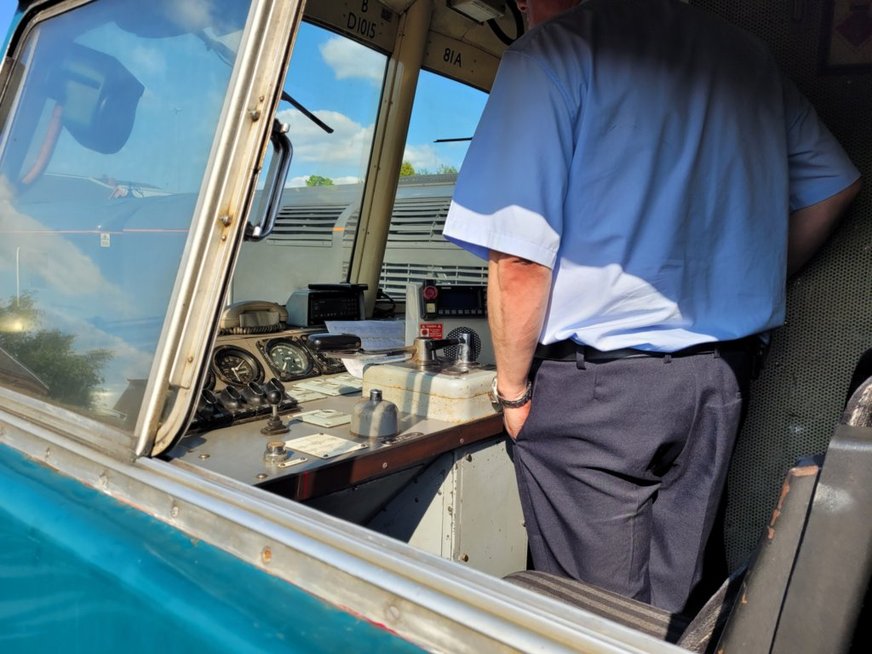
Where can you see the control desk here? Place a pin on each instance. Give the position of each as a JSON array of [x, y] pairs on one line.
[[322, 455], [276, 411]]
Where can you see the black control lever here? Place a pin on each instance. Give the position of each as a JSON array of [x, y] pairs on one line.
[[348, 345], [211, 412], [208, 406], [425, 350], [254, 394], [335, 344], [432, 344], [274, 393], [232, 399]]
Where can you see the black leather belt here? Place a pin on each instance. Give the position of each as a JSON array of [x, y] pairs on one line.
[[571, 351]]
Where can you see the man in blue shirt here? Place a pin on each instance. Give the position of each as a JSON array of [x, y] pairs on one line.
[[642, 181]]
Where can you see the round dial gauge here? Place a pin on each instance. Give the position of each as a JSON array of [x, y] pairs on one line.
[[237, 367], [289, 359]]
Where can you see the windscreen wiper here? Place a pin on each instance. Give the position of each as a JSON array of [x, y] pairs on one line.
[[308, 114], [227, 55]]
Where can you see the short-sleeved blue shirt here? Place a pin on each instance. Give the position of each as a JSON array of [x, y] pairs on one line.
[[651, 155]]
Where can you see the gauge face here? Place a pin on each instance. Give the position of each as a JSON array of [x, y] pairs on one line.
[[236, 366], [289, 359]]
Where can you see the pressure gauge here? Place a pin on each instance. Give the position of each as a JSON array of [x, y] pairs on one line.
[[289, 360]]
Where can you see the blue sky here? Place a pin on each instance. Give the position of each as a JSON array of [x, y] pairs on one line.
[[7, 8], [340, 82]]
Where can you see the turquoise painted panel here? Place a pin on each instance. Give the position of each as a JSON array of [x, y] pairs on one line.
[[81, 572]]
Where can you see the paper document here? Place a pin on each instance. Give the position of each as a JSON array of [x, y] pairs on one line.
[[373, 334], [325, 417], [343, 384], [324, 446]]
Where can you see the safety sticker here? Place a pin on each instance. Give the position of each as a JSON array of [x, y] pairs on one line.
[[430, 330]]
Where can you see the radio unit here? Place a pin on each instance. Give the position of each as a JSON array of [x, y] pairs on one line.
[[444, 301], [322, 302]]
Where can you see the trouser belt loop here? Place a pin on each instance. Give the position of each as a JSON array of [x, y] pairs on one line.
[[579, 359]]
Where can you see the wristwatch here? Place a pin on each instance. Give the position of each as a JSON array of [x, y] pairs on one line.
[[500, 402]]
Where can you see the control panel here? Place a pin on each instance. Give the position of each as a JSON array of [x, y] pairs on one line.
[[444, 301], [445, 311]]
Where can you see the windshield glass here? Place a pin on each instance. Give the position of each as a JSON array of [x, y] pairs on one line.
[[443, 120], [340, 82], [107, 129]]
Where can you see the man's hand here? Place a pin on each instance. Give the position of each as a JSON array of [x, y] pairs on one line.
[[514, 419]]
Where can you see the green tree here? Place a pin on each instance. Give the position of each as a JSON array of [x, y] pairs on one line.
[[407, 170], [317, 180], [50, 355], [443, 169]]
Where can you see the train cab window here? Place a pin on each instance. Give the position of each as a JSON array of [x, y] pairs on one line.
[[330, 101], [105, 144], [443, 120]]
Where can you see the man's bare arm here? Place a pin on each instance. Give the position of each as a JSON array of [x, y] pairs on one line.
[[517, 298], [810, 227]]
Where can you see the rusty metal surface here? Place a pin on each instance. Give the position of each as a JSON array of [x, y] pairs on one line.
[[832, 572], [754, 620]]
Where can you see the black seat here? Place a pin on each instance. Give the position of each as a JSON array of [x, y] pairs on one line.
[[773, 561], [803, 588]]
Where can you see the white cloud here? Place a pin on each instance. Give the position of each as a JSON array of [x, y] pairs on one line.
[[147, 61], [191, 14], [344, 153], [66, 270], [422, 157], [349, 60]]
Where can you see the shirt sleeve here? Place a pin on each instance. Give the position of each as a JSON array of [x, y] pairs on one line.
[[819, 167], [511, 188]]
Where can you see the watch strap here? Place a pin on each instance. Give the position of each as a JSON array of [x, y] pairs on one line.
[[516, 403]]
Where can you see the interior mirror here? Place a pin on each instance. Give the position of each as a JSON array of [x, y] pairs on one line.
[[99, 97]]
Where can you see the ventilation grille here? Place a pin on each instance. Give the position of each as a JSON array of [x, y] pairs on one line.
[[801, 393], [350, 232], [418, 222], [307, 225]]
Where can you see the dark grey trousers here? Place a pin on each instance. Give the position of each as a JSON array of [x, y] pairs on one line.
[[621, 465]]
